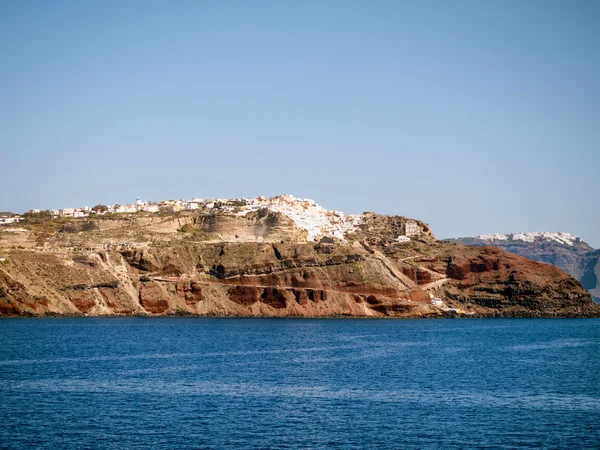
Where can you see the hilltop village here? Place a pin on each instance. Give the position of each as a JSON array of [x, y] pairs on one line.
[[306, 213], [559, 237]]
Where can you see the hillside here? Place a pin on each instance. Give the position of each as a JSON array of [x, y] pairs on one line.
[[562, 250], [294, 259]]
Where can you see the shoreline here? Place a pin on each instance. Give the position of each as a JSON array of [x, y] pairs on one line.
[[296, 317]]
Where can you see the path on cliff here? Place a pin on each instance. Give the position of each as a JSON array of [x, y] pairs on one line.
[[435, 284], [409, 257], [439, 279], [393, 271]]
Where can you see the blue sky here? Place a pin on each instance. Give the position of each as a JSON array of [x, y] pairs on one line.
[[473, 116]]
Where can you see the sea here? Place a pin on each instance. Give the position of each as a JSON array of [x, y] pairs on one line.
[[195, 383]]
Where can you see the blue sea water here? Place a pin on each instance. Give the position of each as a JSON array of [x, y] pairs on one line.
[[284, 383]]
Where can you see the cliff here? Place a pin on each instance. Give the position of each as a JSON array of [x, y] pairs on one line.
[[571, 255], [264, 264]]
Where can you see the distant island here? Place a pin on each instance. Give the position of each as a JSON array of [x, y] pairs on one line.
[[263, 257]]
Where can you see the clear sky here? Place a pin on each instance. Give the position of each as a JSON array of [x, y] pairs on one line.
[[474, 116]]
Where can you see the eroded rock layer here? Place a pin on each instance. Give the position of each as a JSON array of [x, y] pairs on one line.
[[262, 265]]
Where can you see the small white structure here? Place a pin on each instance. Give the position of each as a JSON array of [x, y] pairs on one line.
[[402, 239], [126, 209], [436, 301], [5, 220], [77, 214], [188, 206], [411, 228], [66, 212]]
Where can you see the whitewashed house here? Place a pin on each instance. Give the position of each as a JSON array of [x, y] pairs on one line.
[[6, 220], [126, 209], [411, 228], [66, 212]]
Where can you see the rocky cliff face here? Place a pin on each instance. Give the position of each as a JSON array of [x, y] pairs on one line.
[[261, 264], [575, 257], [588, 273]]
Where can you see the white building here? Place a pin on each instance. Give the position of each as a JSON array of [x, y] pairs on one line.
[[6, 220], [126, 209], [411, 228], [66, 212]]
